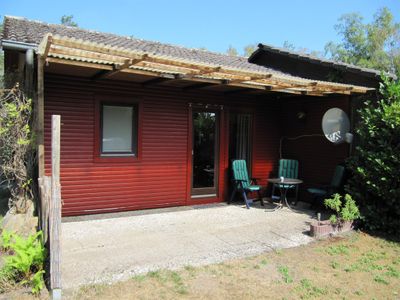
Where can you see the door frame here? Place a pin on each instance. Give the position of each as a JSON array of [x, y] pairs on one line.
[[220, 150]]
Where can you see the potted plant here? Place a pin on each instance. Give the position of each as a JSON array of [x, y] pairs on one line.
[[341, 221]]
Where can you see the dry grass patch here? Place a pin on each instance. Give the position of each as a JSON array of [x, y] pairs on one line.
[[352, 267]]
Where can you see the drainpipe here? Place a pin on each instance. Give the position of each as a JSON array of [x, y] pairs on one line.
[[18, 46], [29, 69]]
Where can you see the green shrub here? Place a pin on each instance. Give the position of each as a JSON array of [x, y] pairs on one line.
[[5, 240], [347, 212], [375, 164], [25, 264]]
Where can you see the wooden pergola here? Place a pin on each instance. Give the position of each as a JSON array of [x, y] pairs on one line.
[[111, 60]]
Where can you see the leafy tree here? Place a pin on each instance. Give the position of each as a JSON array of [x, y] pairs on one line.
[[373, 45], [1, 60], [249, 49], [289, 46], [232, 51], [375, 183], [301, 50], [68, 21]]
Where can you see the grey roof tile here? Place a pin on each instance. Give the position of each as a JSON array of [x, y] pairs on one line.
[[29, 31]]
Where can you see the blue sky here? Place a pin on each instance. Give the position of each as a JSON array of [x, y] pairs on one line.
[[206, 23]]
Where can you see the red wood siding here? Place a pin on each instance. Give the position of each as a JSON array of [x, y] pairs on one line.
[[267, 133], [159, 177]]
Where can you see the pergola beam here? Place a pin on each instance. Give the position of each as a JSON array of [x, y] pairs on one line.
[[44, 46], [118, 68], [112, 60], [203, 72]]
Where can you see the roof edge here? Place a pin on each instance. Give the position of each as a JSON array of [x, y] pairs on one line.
[[316, 60]]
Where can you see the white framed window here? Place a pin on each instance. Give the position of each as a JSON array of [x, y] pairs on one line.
[[119, 129]]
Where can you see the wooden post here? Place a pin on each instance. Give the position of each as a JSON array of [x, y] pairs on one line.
[[55, 210], [45, 197], [40, 115]]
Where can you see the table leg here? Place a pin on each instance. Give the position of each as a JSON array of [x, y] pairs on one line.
[[283, 200]]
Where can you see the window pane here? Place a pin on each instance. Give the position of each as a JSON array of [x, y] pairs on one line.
[[117, 128]]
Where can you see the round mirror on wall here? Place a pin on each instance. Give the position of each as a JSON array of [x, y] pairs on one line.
[[336, 126]]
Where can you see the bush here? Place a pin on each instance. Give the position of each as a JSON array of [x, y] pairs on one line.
[[17, 144], [24, 266], [375, 183], [347, 212]]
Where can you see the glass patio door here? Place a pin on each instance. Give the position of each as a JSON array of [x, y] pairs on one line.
[[204, 153]]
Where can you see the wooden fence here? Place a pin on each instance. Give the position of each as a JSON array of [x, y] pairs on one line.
[[50, 209]]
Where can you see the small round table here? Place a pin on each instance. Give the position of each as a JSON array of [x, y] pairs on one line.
[[284, 186]]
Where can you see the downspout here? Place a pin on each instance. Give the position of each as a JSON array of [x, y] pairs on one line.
[[29, 69]]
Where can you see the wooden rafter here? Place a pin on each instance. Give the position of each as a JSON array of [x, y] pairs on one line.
[[203, 72], [252, 78], [111, 60], [44, 46], [119, 67]]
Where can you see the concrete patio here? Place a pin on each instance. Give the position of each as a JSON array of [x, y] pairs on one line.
[[116, 247]]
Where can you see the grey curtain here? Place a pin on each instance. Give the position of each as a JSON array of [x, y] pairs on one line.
[[243, 141]]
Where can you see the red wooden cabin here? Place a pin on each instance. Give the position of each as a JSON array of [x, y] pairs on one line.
[[148, 125]]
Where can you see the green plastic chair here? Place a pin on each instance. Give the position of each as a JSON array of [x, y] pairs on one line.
[[320, 193], [243, 184], [288, 168]]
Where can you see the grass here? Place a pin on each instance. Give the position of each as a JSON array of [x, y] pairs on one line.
[[284, 270], [339, 249], [306, 289], [324, 269]]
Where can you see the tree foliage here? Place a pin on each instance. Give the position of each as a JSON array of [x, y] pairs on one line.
[[17, 159], [249, 49], [68, 21], [1, 60], [232, 51], [373, 45], [375, 182], [301, 50]]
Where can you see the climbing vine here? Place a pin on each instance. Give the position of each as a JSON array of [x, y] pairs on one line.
[[17, 158]]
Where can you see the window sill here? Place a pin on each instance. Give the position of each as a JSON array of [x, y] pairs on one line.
[[117, 155], [116, 159]]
